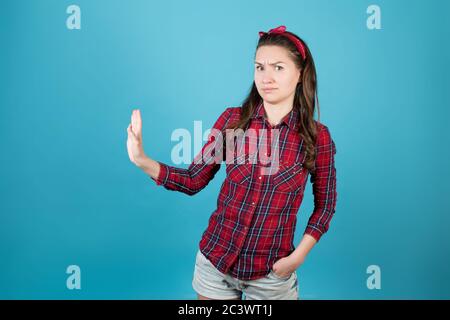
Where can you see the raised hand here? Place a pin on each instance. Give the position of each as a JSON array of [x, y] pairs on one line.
[[134, 141]]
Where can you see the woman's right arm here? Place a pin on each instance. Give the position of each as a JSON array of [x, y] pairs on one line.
[[202, 169], [150, 167]]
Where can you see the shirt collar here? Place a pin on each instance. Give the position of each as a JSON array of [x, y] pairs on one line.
[[291, 119]]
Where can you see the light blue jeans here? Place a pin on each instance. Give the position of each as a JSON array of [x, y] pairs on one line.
[[211, 283]]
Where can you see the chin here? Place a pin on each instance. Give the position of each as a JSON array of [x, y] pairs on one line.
[[270, 99], [267, 97]]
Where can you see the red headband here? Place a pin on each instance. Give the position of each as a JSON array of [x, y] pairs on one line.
[[281, 30]]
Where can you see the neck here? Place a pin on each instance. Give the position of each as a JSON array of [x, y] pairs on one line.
[[276, 112]]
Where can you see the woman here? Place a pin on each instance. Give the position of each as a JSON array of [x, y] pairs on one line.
[[247, 247]]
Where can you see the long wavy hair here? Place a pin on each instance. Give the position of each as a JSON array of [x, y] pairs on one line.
[[305, 98]]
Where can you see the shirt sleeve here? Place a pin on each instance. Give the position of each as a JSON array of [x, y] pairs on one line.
[[204, 166], [324, 185]]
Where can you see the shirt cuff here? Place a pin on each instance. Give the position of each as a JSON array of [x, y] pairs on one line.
[[314, 232], [163, 174]]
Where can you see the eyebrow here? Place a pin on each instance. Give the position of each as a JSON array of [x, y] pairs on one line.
[[270, 63]]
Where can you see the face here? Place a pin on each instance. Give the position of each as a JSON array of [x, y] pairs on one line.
[[276, 75]]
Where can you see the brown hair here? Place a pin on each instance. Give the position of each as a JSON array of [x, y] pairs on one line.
[[305, 95]]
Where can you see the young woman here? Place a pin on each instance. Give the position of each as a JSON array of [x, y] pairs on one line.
[[247, 247]]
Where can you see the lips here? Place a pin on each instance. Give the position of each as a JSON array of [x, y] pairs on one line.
[[269, 89]]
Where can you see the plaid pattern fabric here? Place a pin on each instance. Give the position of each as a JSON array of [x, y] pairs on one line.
[[254, 223]]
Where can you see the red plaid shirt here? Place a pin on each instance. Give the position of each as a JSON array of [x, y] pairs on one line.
[[254, 223]]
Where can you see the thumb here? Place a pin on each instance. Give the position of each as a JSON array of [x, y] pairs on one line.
[[131, 133]]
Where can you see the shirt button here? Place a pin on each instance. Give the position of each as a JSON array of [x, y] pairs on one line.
[[259, 177], [253, 203]]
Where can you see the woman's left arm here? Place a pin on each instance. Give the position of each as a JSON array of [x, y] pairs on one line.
[[325, 195]]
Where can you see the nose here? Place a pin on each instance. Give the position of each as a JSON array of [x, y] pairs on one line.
[[267, 78], [264, 77]]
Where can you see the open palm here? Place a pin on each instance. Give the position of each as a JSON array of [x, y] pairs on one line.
[[134, 141]]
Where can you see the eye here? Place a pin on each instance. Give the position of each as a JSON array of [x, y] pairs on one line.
[[280, 67], [258, 67]]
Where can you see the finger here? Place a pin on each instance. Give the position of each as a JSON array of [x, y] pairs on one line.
[[134, 121], [137, 123], [138, 120]]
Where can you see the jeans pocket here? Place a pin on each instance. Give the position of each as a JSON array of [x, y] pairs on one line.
[[279, 277]]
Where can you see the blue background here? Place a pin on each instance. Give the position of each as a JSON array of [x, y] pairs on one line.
[[70, 195]]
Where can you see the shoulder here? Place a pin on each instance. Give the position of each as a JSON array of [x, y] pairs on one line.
[[322, 130], [324, 139], [230, 114], [320, 126], [234, 111]]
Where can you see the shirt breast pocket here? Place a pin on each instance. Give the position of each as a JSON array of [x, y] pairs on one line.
[[240, 171], [289, 177]]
